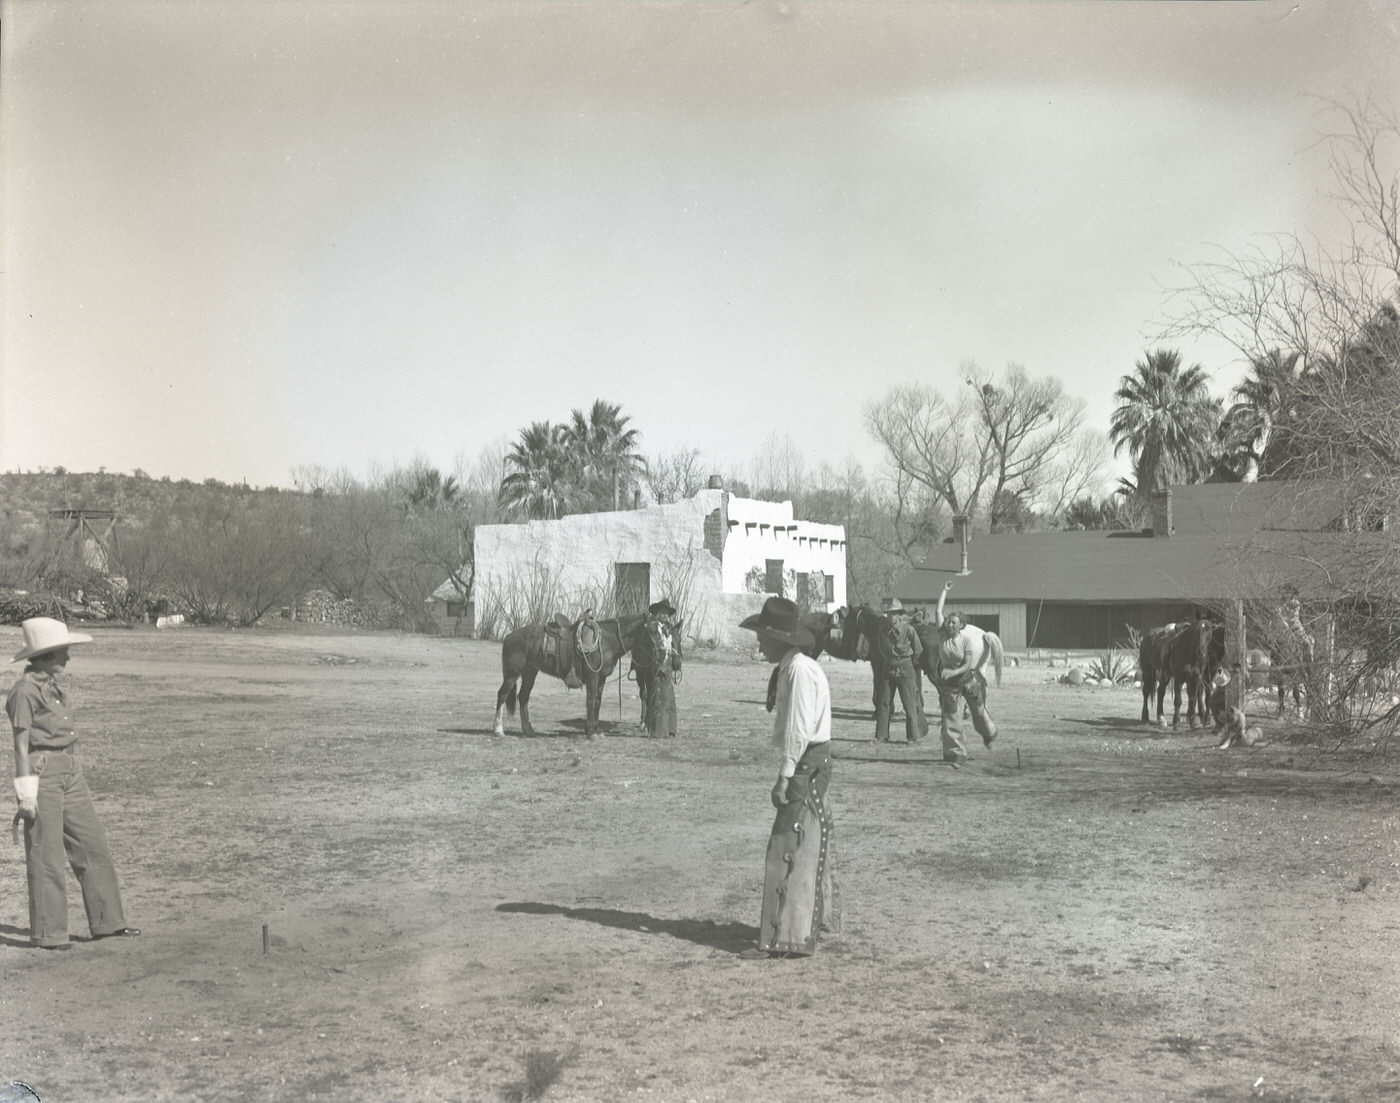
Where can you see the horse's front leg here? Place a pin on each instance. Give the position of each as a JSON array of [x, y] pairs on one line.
[[1162, 683], [527, 683], [1176, 702], [644, 682], [503, 695], [593, 695]]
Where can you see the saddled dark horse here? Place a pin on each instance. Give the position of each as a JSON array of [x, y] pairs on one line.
[[1186, 656], [523, 656]]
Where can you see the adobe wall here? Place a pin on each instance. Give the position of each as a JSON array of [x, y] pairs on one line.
[[708, 554], [569, 565]]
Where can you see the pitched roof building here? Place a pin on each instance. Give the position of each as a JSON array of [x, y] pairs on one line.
[[1207, 545]]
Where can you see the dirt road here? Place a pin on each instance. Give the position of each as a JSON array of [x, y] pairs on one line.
[[1093, 910]]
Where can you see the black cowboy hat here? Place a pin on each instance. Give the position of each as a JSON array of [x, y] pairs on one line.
[[780, 620], [658, 608]]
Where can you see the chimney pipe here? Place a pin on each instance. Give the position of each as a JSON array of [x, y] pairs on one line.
[[1162, 513], [716, 482], [960, 532]]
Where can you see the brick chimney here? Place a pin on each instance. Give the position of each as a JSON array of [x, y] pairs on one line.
[[1162, 512], [960, 533]]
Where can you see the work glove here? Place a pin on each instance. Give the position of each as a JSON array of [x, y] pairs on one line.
[[27, 792]]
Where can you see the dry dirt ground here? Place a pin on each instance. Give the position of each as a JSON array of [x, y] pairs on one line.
[[1092, 910]]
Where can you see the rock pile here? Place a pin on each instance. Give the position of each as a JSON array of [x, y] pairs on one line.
[[19, 605], [323, 607]]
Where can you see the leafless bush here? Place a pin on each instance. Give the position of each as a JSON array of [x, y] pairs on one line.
[[531, 594], [675, 581], [542, 1069]]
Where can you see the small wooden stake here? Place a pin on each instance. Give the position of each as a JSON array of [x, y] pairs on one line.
[[1018, 758], [265, 938]]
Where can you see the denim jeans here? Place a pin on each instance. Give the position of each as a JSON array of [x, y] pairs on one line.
[[67, 832]]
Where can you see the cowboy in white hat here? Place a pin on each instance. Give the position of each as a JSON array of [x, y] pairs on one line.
[[55, 806], [798, 894]]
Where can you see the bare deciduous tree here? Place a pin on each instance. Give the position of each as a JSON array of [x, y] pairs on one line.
[[992, 444], [675, 476]]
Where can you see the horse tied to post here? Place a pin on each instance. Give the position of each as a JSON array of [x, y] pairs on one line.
[[597, 645], [1186, 656]]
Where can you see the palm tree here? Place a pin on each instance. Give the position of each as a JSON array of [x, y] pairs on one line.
[[1166, 419], [1264, 405], [537, 481], [603, 453], [429, 490]]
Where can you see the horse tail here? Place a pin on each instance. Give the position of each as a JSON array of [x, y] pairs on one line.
[[510, 699], [998, 653]]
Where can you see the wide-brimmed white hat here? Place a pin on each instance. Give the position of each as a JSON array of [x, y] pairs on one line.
[[44, 634]]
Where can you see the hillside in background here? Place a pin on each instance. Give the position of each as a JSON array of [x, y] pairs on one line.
[[26, 498]]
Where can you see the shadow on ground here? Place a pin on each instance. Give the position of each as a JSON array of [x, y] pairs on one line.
[[730, 937]]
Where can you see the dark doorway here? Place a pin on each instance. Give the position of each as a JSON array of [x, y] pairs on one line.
[[632, 588]]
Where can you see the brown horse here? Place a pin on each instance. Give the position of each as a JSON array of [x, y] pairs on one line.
[[865, 635], [1186, 656], [828, 630], [1153, 670], [523, 656]]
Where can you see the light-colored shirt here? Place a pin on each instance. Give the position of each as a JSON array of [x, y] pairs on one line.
[[969, 645], [802, 713], [37, 705]]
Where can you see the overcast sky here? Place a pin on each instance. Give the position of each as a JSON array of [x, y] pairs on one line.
[[243, 237]]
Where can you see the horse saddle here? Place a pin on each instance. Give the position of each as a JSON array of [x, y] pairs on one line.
[[560, 645], [554, 634]]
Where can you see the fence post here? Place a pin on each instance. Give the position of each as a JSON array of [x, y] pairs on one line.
[[1237, 656]]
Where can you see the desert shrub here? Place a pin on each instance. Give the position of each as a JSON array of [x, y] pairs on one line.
[[542, 1068], [1113, 664]]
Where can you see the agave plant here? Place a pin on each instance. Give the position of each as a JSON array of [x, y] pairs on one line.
[[1114, 665]]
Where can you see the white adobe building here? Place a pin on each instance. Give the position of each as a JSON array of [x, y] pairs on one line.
[[715, 556]]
